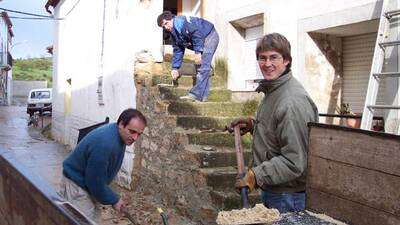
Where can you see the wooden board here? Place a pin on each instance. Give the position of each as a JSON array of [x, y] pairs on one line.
[[346, 210], [359, 149], [368, 187], [354, 175]]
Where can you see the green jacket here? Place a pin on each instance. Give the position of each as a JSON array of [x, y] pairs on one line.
[[280, 137]]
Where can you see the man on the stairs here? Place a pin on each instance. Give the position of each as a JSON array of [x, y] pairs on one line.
[[280, 132], [198, 35]]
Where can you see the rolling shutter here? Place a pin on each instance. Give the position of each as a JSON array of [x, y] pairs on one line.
[[357, 60]]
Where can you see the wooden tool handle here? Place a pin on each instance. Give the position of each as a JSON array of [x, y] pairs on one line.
[[239, 150], [240, 164]]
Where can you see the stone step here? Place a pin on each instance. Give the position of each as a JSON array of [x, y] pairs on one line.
[[188, 68], [209, 156], [169, 92], [228, 109], [217, 139], [187, 81], [204, 122], [228, 200], [220, 178]]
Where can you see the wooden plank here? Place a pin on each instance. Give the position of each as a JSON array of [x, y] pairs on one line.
[[346, 210], [368, 187], [367, 150], [354, 175]]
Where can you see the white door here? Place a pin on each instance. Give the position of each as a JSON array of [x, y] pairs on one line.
[[251, 70]]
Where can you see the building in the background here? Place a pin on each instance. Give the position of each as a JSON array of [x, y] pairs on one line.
[[6, 36], [96, 41], [332, 49]]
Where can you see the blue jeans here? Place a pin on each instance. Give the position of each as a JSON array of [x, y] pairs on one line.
[[284, 202], [202, 87]]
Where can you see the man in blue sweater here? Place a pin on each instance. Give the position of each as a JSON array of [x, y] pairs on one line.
[[96, 160], [198, 35]]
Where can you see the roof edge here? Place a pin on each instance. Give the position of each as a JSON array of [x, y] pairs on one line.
[[52, 3], [8, 22]]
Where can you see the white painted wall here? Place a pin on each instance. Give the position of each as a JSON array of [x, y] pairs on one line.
[[292, 18], [88, 44], [83, 53]]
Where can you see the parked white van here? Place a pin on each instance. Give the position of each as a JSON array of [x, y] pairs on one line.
[[39, 100]]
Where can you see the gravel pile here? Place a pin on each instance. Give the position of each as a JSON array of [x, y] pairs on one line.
[[257, 215]]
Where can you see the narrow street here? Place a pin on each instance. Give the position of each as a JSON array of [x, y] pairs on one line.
[[43, 156], [30, 147]]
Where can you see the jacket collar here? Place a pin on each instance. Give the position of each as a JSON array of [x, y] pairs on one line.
[[178, 24], [269, 86]]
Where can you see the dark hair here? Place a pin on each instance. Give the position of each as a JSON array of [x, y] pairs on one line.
[[275, 42], [166, 15], [129, 114]]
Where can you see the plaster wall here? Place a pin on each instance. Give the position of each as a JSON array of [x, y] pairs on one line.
[[103, 44], [94, 51], [318, 71]]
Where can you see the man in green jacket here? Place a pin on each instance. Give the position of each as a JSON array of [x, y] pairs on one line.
[[280, 132]]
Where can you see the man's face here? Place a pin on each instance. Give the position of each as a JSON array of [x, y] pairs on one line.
[[132, 131], [271, 64], [167, 25]]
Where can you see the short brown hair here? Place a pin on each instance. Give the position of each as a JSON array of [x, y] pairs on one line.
[[275, 42], [166, 15], [129, 114]]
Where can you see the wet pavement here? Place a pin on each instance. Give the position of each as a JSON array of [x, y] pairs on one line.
[[29, 146], [36, 152]]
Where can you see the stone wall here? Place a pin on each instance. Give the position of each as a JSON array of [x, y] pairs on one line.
[[21, 88], [163, 168]]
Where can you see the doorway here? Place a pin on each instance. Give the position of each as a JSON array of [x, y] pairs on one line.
[[174, 6]]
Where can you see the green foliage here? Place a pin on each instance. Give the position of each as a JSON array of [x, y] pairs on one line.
[[33, 69], [250, 107], [221, 68]]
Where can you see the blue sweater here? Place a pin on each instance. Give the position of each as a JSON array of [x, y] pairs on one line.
[[95, 162], [189, 32]]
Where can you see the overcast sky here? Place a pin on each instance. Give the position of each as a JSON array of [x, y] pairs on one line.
[[31, 37]]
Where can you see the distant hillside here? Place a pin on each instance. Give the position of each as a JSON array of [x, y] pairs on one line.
[[33, 69]]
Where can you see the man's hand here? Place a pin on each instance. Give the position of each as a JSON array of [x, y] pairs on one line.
[[245, 125], [249, 180], [197, 59], [119, 205], [174, 74]]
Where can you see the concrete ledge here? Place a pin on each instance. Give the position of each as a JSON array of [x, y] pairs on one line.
[[25, 199]]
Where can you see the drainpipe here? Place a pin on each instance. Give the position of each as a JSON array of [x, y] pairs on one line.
[[100, 98]]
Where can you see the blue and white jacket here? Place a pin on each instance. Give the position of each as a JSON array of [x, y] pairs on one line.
[[188, 32]]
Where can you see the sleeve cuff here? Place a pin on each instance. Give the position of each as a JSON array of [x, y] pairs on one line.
[[258, 175]]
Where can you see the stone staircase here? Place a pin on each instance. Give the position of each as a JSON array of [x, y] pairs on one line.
[[204, 123], [200, 128]]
